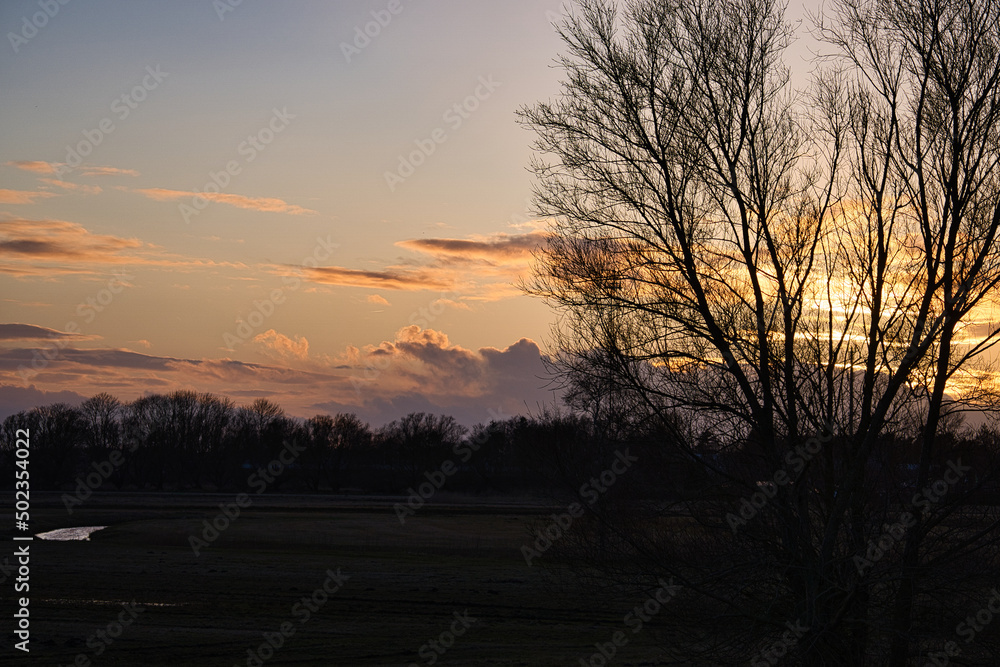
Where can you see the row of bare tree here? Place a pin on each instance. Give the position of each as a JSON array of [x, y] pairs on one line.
[[190, 441], [187, 441]]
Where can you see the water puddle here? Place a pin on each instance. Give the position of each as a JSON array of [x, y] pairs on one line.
[[66, 534], [111, 603]]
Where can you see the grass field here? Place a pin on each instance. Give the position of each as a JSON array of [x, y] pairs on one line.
[[404, 585]]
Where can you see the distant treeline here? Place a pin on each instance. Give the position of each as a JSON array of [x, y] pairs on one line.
[[190, 441]]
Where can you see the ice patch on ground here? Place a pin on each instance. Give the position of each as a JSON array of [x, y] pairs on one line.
[[65, 534]]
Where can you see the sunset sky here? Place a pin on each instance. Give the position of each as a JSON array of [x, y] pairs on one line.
[[365, 213]]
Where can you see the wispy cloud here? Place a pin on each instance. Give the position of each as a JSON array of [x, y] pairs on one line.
[[46, 168], [391, 278], [91, 170], [48, 248], [36, 166], [65, 185], [29, 304], [59, 240], [23, 196], [263, 204], [534, 225], [482, 268], [16, 331], [496, 248]]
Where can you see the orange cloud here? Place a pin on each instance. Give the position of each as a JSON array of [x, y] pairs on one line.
[[57, 247], [263, 204], [35, 166], [88, 189], [23, 196], [29, 304], [278, 346], [107, 171], [59, 240], [458, 305], [482, 268], [380, 300], [40, 167]]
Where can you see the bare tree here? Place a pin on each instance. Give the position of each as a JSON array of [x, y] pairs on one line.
[[770, 269], [147, 427], [101, 414], [419, 442], [57, 434], [333, 443]]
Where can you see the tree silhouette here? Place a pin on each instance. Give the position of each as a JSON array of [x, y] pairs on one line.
[[796, 281]]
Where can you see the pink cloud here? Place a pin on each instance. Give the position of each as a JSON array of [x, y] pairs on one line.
[[418, 369], [280, 347]]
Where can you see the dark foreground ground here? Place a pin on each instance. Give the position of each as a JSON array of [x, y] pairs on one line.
[[405, 585]]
